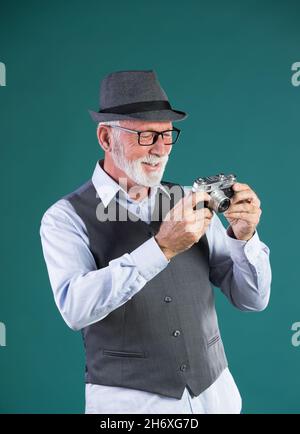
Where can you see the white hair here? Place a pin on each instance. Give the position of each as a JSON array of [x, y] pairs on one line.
[[116, 131]]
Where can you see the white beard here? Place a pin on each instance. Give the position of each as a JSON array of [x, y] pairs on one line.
[[134, 168]]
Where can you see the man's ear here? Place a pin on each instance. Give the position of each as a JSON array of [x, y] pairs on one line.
[[103, 138], [107, 146]]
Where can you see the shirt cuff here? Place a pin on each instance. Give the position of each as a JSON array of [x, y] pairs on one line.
[[244, 250], [149, 259]]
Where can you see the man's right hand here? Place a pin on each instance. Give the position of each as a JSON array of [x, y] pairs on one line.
[[183, 226]]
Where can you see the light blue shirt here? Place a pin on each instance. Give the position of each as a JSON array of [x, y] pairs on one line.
[[85, 295]]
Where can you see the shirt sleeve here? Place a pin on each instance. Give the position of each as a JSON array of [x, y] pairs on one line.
[[83, 293], [241, 269]]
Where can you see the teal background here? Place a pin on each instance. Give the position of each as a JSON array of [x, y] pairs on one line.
[[228, 64]]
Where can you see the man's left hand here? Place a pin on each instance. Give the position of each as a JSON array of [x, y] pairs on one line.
[[244, 212]]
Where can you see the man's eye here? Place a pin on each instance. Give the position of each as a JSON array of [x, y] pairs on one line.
[[146, 135]]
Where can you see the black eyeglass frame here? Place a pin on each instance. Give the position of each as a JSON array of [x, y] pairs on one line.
[[155, 137]]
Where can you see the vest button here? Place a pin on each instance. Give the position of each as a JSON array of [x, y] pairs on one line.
[[183, 367], [176, 333], [168, 299]]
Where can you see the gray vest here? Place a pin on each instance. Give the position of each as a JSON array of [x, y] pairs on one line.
[[166, 337]]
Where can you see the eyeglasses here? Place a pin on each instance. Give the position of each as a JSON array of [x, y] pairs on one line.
[[148, 138]]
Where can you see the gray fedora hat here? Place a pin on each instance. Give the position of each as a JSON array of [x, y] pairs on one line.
[[134, 95]]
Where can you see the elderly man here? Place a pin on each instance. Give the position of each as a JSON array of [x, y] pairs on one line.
[[140, 287]]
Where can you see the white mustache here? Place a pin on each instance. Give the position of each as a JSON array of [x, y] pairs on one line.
[[152, 159]]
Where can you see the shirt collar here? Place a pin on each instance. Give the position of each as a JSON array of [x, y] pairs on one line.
[[107, 187]]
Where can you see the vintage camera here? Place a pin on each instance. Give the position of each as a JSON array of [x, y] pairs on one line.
[[219, 187]]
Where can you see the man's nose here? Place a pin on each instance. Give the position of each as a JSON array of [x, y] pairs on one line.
[[159, 147]]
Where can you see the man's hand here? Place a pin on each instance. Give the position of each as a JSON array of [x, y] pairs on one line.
[[244, 212], [183, 226]]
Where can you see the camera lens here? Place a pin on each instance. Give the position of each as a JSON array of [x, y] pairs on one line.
[[224, 205], [220, 202]]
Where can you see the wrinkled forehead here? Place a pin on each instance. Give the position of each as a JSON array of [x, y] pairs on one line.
[[146, 125]]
